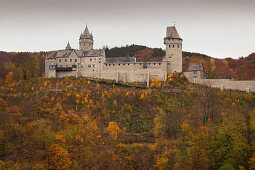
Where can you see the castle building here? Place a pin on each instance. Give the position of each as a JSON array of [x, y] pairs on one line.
[[89, 62]]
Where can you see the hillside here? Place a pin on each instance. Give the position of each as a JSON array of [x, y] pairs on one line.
[[79, 123]]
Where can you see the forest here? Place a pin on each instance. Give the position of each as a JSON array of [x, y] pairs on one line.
[[79, 123]]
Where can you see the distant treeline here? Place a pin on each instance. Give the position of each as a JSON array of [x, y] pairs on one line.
[[132, 49], [123, 51]]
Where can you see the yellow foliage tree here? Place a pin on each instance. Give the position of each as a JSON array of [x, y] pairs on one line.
[[58, 158], [114, 129], [9, 78]]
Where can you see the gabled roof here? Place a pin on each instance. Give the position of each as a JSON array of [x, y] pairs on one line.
[[196, 67], [58, 54], [171, 32]]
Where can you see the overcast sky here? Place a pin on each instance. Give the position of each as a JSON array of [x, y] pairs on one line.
[[219, 28]]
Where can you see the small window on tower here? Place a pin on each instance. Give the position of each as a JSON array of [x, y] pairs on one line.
[[169, 46], [65, 60], [75, 60], [173, 46], [71, 60], [178, 46]]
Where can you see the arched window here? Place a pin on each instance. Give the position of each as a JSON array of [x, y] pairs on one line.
[[173, 46]]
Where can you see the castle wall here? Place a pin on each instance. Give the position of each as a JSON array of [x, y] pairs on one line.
[[50, 72], [245, 85], [91, 67], [62, 74], [134, 72]]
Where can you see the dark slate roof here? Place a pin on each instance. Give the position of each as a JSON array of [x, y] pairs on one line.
[[91, 53], [171, 32], [66, 53], [59, 53], [196, 67]]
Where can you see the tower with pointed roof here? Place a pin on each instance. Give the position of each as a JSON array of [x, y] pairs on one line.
[[173, 44], [68, 46], [86, 40]]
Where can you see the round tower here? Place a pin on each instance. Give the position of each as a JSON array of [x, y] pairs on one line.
[[86, 40], [173, 44]]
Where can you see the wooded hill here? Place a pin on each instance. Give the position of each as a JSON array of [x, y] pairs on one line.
[[76, 123]]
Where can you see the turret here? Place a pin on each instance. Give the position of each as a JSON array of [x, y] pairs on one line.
[[86, 40], [68, 47], [173, 44]]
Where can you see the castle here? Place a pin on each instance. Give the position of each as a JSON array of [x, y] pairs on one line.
[[89, 62]]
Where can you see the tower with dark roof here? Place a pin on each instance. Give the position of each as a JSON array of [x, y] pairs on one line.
[[68, 46], [173, 44], [86, 40]]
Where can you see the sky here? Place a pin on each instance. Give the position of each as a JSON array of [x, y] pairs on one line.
[[218, 28]]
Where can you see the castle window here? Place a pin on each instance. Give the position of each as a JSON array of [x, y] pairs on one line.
[[93, 65], [154, 63], [113, 64], [75, 60], [119, 64], [89, 65], [65, 60], [178, 46], [134, 63], [128, 64], [109, 64], [149, 63], [66, 65], [173, 46], [106, 64], [123, 64], [59, 60], [71, 60], [159, 63], [91, 59], [169, 46], [140, 63]]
